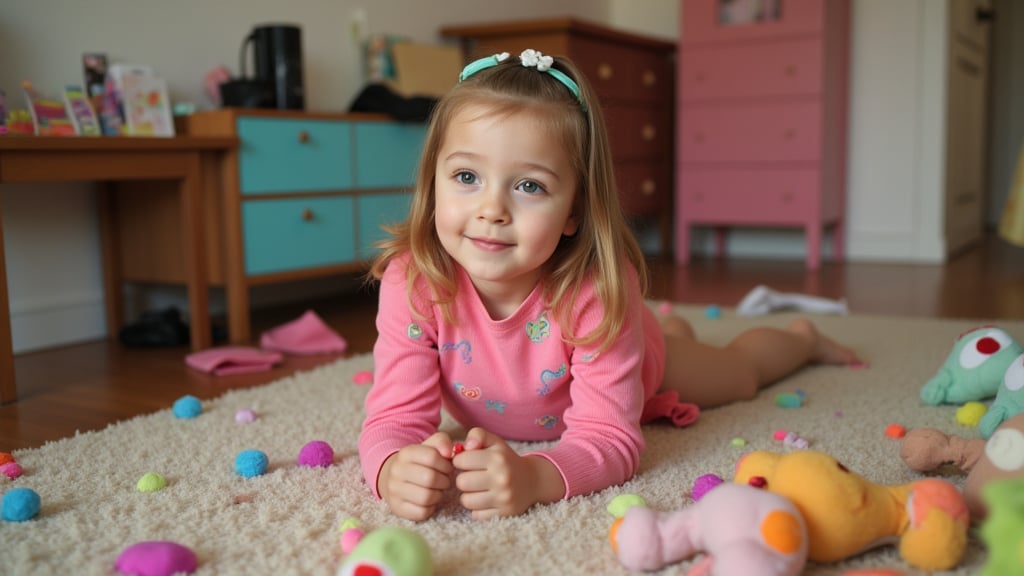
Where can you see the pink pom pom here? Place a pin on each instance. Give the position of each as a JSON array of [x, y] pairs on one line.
[[11, 469], [350, 538], [362, 377], [245, 416], [703, 484], [316, 453], [665, 308], [780, 435]]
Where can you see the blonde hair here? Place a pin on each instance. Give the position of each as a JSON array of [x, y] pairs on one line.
[[603, 248]]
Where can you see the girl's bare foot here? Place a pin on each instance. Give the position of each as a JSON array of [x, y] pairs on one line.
[[675, 326], [826, 350]]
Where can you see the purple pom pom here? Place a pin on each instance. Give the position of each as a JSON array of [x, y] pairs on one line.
[[316, 453], [703, 484], [157, 559]]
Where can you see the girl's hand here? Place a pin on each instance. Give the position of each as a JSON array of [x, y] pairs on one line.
[[413, 480], [495, 481]]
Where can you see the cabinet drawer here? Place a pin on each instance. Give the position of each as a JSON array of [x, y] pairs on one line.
[[752, 197], [287, 155], [388, 154], [297, 233], [702, 20], [752, 70], [644, 186], [764, 132], [639, 132], [624, 72], [376, 210]]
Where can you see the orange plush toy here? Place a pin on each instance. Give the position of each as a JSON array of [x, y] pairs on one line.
[[847, 514]]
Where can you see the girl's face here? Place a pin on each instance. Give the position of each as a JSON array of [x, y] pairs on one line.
[[504, 193]]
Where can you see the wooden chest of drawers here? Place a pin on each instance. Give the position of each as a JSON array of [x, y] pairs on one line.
[[633, 76], [304, 196], [761, 135]]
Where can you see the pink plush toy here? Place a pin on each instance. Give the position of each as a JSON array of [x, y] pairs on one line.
[[744, 531]]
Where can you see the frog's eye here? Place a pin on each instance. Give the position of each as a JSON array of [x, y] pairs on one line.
[[982, 347], [1014, 377]]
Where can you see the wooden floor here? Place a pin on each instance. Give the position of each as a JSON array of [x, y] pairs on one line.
[[88, 386]]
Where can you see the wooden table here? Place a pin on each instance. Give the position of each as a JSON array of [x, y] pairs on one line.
[[186, 160]]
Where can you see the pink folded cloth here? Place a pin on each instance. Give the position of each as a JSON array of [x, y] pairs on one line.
[[227, 360], [306, 335]]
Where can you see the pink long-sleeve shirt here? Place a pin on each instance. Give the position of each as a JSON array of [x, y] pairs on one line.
[[515, 377]]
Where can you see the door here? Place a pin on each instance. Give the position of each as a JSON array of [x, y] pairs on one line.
[[967, 123]]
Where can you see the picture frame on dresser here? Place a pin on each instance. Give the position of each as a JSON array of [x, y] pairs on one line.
[[762, 123]]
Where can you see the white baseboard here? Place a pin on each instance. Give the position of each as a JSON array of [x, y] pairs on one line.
[[57, 321]]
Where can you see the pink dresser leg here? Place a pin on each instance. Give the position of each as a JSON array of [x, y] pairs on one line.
[[721, 241], [682, 242], [813, 246]]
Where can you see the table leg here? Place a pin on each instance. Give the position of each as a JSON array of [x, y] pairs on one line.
[[193, 226], [109, 243], [8, 387]]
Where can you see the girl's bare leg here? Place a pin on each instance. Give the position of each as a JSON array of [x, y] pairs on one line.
[[711, 376]]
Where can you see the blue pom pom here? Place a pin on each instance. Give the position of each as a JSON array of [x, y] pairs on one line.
[[187, 407], [713, 312], [250, 463], [20, 504]]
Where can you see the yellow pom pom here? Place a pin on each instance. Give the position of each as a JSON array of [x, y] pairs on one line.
[[970, 414]]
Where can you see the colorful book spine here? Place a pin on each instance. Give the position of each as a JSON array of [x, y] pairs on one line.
[[80, 111], [49, 116]]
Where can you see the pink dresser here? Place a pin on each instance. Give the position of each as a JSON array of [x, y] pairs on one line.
[[761, 119]]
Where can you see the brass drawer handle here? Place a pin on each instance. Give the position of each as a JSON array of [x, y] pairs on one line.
[[303, 137], [605, 72], [648, 187], [650, 78], [307, 215], [648, 132]]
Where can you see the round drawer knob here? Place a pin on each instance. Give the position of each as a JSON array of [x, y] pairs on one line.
[[789, 134], [698, 137], [699, 77], [791, 70], [648, 187], [648, 132], [303, 137], [698, 198], [650, 78], [787, 197], [605, 72], [307, 215]]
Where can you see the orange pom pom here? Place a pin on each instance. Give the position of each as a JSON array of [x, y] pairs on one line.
[[895, 431]]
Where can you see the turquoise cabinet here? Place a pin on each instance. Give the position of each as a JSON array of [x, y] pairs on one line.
[[289, 155], [375, 211], [297, 233], [387, 154]]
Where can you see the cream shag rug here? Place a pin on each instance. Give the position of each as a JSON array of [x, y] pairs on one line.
[[286, 522]]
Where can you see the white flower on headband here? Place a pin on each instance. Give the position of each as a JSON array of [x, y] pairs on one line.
[[501, 57], [532, 58]]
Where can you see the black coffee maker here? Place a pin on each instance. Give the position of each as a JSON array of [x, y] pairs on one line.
[[277, 57]]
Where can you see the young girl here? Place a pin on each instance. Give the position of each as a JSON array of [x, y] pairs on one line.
[[512, 296]]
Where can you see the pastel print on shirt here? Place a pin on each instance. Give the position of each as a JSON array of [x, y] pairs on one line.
[[463, 348], [538, 330], [549, 376]]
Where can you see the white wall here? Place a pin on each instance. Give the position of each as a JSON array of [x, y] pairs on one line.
[[896, 120]]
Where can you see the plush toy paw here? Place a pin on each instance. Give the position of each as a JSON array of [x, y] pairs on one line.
[[846, 514], [973, 369], [742, 529], [1009, 399], [927, 449]]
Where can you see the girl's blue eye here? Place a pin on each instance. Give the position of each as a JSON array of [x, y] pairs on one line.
[[466, 178], [531, 187]]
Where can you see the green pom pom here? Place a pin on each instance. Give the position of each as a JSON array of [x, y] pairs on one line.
[[738, 442], [151, 482], [348, 524], [623, 502]]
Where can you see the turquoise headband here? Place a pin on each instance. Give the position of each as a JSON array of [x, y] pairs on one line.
[[529, 59]]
